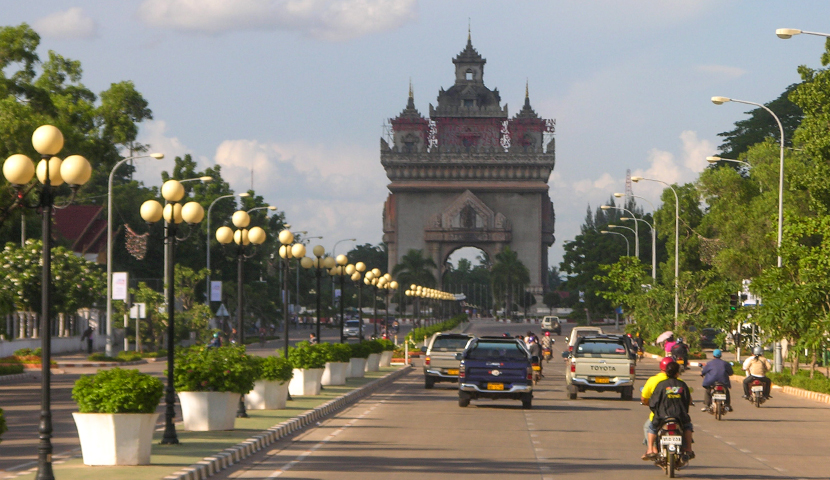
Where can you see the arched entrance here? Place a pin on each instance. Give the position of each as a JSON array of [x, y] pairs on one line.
[[467, 271]]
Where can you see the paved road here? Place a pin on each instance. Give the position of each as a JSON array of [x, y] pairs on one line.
[[20, 402], [405, 431]]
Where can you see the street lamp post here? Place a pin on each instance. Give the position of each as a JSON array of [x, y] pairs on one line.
[[173, 213], [676, 243], [636, 229], [653, 236], [207, 260], [340, 271], [786, 33], [52, 172], [627, 244], [779, 362], [319, 263], [157, 156], [636, 251], [287, 252], [653, 244]]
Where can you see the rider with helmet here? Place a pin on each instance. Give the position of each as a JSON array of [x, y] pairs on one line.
[[645, 396], [547, 346], [757, 367], [680, 352], [716, 371], [215, 341]]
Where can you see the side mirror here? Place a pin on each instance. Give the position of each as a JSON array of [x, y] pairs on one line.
[[459, 356], [567, 339], [566, 354], [423, 349], [534, 359]]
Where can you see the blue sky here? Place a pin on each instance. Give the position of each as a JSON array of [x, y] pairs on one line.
[[298, 90]]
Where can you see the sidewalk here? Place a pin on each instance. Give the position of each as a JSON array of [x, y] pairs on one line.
[[195, 447]]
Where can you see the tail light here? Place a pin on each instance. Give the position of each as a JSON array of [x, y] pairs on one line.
[[570, 348], [426, 361], [718, 388], [461, 372], [631, 369], [573, 367], [530, 373], [672, 428]]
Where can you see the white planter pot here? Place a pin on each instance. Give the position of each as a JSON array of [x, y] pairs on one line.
[[373, 362], [335, 373], [207, 411], [116, 438], [386, 358], [306, 381], [357, 368], [267, 395]]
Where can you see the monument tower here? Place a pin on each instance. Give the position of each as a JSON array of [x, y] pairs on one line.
[[470, 176]]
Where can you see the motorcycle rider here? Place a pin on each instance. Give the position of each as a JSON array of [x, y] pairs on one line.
[[671, 399], [757, 367], [536, 351], [716, 371], [680, 351], [645, 397], [547, 343]]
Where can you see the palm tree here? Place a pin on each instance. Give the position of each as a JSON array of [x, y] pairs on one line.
[[415, 268], [508, 272]]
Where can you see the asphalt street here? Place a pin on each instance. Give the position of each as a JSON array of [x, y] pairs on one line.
[[405, 431], [20, 402]]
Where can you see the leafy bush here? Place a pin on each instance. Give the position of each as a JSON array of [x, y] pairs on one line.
[[125, 356], [159, 354], [28, 352], [339, 352], [306, 355], [374, 346], [388, 345], [10, 369], [359, 350], [223, 369], [101, 357], [418, 334], [3, 427], [117, 391], [275, 368]]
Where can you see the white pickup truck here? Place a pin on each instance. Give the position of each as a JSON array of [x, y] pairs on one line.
[[601, 363]]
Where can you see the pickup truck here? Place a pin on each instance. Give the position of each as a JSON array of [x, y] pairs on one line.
[[440, 362], [600, 363], [496, 368]]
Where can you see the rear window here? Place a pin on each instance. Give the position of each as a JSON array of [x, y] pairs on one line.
[[443, 344], [601, 347], [488, 351], [353, 323]]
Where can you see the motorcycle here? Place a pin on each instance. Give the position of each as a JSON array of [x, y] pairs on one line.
[[718, 406], [670, 442], [537, 370], [756, 393], [546, 354], [680, 361]]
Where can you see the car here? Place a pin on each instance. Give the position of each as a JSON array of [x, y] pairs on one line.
[[551, 323], [577, 332], [496, 368], [708, 336], [600, 363], [351, 329], [440, 362]]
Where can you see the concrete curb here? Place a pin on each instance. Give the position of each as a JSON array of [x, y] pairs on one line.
[[211, 465], [30, 375], [100, 364]]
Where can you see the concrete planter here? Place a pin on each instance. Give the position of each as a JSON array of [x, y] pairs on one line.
[[335, 373], [116, 438], [306, 381], [386, 358], [207, 411], [267, 395], [373, 362], [357, 368]]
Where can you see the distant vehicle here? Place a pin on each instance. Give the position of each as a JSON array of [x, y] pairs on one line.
[[351, 329], [496, 368], [577, 332], [552, 324], [601, 363], [440, 362], [707, 338]]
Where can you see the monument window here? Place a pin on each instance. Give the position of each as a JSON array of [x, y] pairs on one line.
[[467, 217], [469, 103], [469, 75]]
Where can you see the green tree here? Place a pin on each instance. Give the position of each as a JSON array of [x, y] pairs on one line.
[[508, 275], [415, 268]]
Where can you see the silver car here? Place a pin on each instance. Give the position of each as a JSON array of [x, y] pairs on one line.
[[440, 362], [351, 329]]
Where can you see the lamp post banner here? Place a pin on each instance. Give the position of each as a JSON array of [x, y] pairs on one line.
[[216, 291], [120, 285]]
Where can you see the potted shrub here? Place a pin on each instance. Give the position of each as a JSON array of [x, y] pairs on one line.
[[386, 354], [308, 361], [357, 361], [270, 391], [337, 363], [209, 382], [117, 416], [373, 360]]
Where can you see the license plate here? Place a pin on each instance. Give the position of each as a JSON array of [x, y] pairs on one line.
[[680, 361], [452, 371], [602, 380], [676, 440], [536, 368], [719, 396], [495, 386], [758, 389]]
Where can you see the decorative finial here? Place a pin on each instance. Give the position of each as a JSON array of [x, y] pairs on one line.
[[410, 87], [527, 91], [469, 34]]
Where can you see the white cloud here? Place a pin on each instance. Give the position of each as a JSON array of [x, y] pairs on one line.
[[722, 70], [69, 24], [332, 20]]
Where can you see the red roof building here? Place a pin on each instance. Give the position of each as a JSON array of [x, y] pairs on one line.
[[85, 226]]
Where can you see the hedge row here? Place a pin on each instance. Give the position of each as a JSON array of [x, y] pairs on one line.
[[418, 334]]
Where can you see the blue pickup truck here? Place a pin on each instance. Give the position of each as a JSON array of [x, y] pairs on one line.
[[496, 368]]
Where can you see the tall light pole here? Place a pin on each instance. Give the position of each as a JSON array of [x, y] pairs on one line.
[[653, 235], [319, 263], [636, 247], [636, 229], [653, 244], [52, 172], [243, 194], [779, 362], [627, 244], [716, 159], [676, 243], [786, 33], [287, 252], [157, 156]]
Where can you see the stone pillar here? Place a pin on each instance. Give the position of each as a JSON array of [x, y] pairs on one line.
[[61, 324], [35, 321]]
